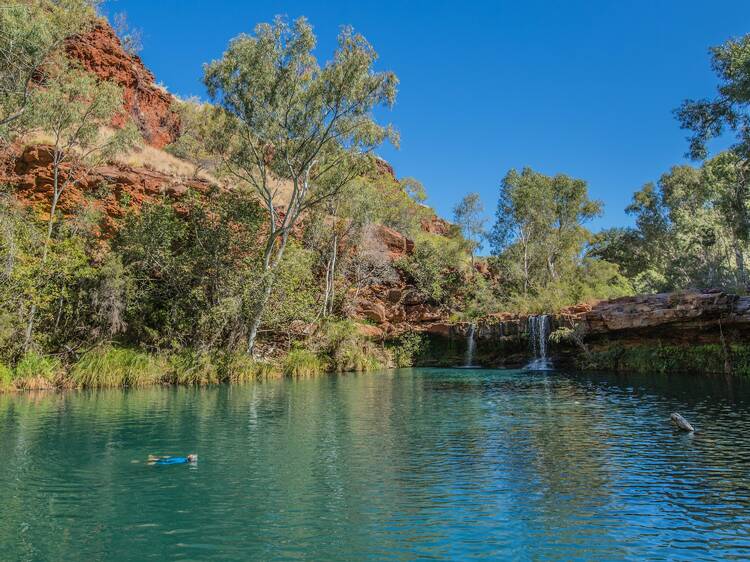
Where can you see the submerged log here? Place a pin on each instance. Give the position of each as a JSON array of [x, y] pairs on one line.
[[681, 422]]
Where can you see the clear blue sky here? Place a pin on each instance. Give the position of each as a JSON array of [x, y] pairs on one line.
[[585, 88]]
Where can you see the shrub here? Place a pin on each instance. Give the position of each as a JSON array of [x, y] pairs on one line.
[[407, 349], [356, 356], [109, 367], [302, 363], [435, 266], [346, 347], [37, 372]]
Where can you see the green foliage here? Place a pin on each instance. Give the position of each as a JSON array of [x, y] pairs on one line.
[[478, 299], [303, 363], [110, 367], [198, 122], [407, 349], [467, 214], [194, 368], [238, 368], [708, 119], [294, 293], [383, 199], [344, 347], [436, 266], [188, 275], [287, 118], [73, 108], [31, 35], [6, 378], [540, 243], [358, 357], [707, 358], [691, 230]]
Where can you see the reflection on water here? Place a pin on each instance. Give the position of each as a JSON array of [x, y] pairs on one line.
[[413, 463]]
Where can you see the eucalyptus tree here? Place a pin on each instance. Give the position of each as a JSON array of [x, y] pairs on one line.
[[689, 229], [75, 109], [291, 121], [728, 112], [467, 214], [539, 225], [31, 33]]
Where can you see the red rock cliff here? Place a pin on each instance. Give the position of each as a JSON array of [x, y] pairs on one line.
[[99, 51]]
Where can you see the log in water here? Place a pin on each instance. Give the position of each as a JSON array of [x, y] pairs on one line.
[[681, 422]]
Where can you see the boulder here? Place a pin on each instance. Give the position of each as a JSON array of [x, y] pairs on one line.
[[398, 245], [372, 311]]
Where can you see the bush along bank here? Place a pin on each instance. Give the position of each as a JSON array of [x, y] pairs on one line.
[[336, 347], [699, 359]]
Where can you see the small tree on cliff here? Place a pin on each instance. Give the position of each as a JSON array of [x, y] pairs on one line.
[[290, 119], [31, 32], [74, 108]]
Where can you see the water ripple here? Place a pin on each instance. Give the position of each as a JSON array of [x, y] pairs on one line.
[[440, 464]]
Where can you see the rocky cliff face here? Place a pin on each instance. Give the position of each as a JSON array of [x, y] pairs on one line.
[[99, 51], [684, 317], [111, 189]]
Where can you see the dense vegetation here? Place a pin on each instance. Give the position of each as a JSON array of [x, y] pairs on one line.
[[259, 275]]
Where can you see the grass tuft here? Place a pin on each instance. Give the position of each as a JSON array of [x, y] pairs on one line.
[[194, 368], [303, 363], [241, 368], [6, 378], [37, 372], [109, 367]]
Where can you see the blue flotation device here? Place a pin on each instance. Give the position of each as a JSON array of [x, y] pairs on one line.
[[172, 460]]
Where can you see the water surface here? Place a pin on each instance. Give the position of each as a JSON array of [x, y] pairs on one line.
[[430, 463]]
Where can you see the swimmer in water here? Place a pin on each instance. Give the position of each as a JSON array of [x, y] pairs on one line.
[[190, 459]]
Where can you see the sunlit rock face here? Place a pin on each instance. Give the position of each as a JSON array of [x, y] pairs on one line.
[[112, 189], [150, 106]]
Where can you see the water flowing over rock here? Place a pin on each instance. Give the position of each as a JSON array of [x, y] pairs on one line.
[[538, 331], [470, 345]]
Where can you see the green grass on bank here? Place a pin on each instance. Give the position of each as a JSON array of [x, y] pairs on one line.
[[115, 367], [303, 363], [38, 372], [109, 367]]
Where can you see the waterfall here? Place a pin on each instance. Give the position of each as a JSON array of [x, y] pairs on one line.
[[538, 330], [470, 345]]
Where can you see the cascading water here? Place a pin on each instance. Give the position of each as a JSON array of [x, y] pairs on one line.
[[538, 330], [470, 345]]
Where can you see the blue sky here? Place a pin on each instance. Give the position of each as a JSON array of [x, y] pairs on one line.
[[579, 87]]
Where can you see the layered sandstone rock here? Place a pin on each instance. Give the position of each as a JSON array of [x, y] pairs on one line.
[[436, 225], [111, 189], [692, 309]]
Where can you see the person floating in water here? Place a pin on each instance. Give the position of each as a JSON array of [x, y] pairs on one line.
[[190, 459]]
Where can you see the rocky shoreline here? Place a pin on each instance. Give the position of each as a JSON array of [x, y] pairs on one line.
[[666, 326]]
